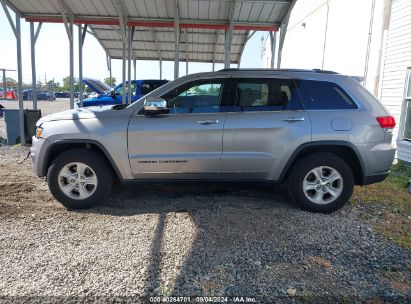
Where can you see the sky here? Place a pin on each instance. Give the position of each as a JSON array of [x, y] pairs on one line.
[[52, 56]]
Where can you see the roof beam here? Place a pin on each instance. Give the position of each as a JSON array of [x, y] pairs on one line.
[[248, 37], [65, 11], [12, 25], [168, 41], [172, 59], [154, 51], [36, 35], [12, 7], [229, 35], [157, 22], [284, 25], [217, 36]]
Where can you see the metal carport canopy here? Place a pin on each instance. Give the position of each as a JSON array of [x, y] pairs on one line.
[[207, 31], [202, 24]]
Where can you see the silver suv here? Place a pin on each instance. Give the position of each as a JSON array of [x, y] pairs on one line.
[[318, 131]]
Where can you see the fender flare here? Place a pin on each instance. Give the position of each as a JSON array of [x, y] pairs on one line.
[[337, 143], [61, 142]]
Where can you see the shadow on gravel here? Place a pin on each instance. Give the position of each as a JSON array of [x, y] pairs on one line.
[[252, 241], [155, 198]]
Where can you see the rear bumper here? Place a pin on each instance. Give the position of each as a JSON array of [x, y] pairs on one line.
[[375, 178], [377, 160]]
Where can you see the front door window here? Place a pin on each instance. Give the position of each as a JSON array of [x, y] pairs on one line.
[[201, 96]]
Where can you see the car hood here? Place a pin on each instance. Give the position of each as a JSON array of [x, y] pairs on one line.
[[75, 114], [96, 85]]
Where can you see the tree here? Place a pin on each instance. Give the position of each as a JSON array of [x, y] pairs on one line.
[[10, 81], [107, 81], [51, 85], [66, 84]]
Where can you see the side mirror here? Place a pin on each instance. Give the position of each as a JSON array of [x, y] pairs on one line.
[[155, 105]]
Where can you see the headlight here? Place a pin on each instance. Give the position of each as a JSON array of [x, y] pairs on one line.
[[39, 132]]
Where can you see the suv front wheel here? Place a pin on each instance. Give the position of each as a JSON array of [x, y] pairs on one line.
[[321, 182], [79, 178]]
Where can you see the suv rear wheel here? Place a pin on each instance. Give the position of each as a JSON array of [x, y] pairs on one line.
[[79, 178], [321, 182]]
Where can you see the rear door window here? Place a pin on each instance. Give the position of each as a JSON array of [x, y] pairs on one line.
[[324, 95], [266, 94]]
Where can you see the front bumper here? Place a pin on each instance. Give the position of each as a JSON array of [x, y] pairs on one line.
[[38, 152]]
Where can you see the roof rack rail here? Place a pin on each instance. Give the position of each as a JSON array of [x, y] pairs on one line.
[[285, 70], [324, 71]]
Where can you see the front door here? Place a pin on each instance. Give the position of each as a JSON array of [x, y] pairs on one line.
[[268, 124], [186, 143]]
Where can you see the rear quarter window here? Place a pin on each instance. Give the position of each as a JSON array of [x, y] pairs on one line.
[[324, 95]]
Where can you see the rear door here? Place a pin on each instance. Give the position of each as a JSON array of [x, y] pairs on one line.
[[185, 143], [268, 124]]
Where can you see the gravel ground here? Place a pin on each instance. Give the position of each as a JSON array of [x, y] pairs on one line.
[[187, 240]]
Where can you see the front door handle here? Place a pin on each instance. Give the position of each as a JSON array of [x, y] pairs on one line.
[[293, 119], [207, 122]]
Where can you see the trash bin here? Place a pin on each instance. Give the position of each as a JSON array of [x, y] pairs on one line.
[[30, 119], [11, 117]]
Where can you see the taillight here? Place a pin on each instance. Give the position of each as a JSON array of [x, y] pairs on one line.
[[386, 122]]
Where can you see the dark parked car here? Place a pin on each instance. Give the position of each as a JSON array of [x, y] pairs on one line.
[[62, 94], [41, 95]]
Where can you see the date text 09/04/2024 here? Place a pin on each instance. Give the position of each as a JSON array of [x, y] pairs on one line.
[[202, 299]]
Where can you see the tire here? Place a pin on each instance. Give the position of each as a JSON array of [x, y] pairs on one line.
[[329, 192], [95, 180]]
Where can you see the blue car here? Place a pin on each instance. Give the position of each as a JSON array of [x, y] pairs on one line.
[[106, 95]]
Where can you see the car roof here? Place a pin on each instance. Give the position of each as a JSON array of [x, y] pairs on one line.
[[315, 74]]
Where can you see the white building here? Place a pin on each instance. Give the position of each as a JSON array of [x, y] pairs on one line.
[[396, 82], [367, 38]]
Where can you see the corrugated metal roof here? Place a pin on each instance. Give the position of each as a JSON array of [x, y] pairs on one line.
[[202, 24]]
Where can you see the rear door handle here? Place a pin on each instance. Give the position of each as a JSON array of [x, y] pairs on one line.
[[207, 122], [293, 119]]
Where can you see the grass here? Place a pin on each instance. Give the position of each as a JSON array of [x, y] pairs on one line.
[[392, 202]]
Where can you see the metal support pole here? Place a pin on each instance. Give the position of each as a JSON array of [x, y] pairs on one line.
[[227, 48], [111, 77], [20, 82], [161, 68], [33, 66], [71, 63], [177, 40], [186, 49], [123, 95], [134, 69], [4, 83], [273, 40], [130, 38], [80, 64]]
